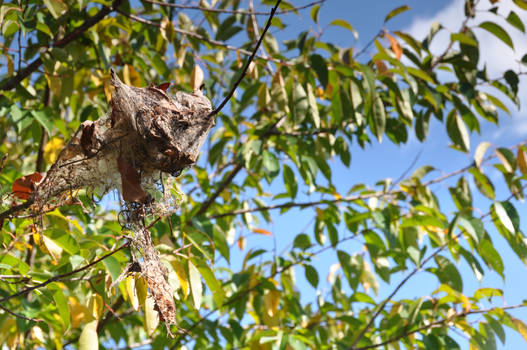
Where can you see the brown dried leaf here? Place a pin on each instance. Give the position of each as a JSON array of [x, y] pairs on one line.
[[26, 185], [396, 47], [87, 138], [261, 231], [131, 182], [163, 86]]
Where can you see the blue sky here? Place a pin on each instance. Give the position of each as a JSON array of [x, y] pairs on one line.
[[379, 161]]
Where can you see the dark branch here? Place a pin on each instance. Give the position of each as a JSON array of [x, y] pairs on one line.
[[234, 12], [60, 277], [200, 37], [19, 315], [440, 323], [248, 62], [410, 275], [76, 33]]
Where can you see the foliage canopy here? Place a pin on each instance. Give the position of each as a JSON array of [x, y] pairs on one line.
[[301, 107]]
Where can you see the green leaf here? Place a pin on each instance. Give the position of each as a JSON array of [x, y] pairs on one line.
[[463, 38], [315, 12], [88, 339], [448, 273], [113, 266], [311, 275], [15, 263], [210, 279], [318, 63], [9, 28], [301, 103], [491, 257], [457, 131], [352, 267], [195, 285], [43, 119], [418, 73], [290, 181], [515, 21], [498, 32], [302, 241], [395, 12], [483, 183], [270, 162], [507, 159], [56, 7], [379, 118], [61, 303], [480, 152], [313, 106], [200, 241], [523, 5], [507, 215], [344, 24]]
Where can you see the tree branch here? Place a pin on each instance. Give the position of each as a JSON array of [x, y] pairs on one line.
[[439, 323], [200, 37], [234, 12], [403, 282], [244, 292], [19, 315], [248, 62], [60, 277], [76, 33]]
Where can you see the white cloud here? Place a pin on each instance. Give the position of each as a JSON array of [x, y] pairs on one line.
[[495, 54]]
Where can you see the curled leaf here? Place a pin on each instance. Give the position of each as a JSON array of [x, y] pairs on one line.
[[26, 185], [88, 138], [396, 47], [131, 182], [163, 86], [196, 78]]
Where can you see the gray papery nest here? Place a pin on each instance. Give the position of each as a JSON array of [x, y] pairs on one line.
[[146, 134]]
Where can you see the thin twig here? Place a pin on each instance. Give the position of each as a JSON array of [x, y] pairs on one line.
[[234, 12], [248, 62], [19, 315], [403, 282], [244, 292], [76, 33], [440, 323], [200, 37], [440, 58], [60, 277]]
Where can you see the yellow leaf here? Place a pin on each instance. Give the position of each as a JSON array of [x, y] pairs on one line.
[[88, 339], [522, 161], [181, 53], [196, 78], [10, 65], [239, 59], [131, 76], [95, 306], [131, 292], [521, 327], [252, 71], [261, 231], [107, 90], [241, 243], [151, 316], [181, 276], [78, 312], [270, 316], [52, 149], [141, 289], [37, 334]]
